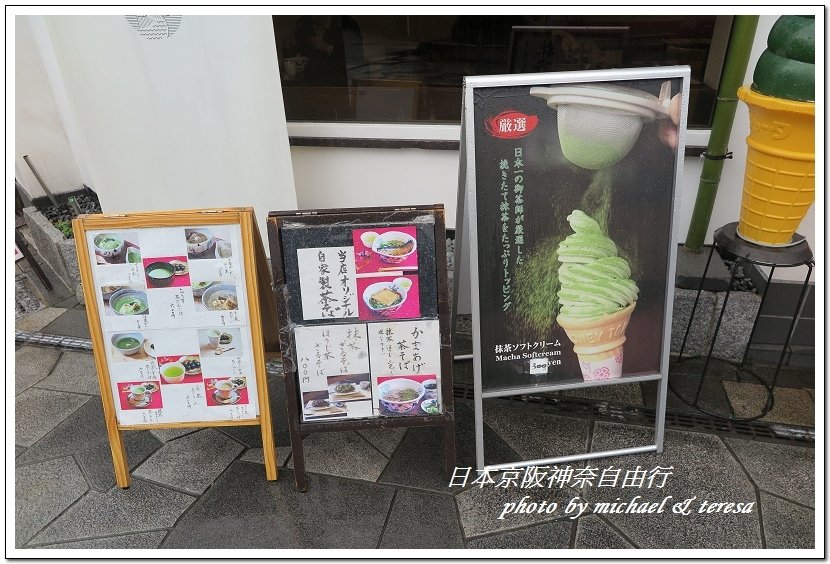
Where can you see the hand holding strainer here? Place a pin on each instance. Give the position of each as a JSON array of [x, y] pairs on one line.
[[598, 125]]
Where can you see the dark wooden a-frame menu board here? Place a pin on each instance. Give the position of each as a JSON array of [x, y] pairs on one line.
[[363, 309]]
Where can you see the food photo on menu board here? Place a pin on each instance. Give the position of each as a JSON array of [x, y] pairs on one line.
[[208, 243], [125, 300], [219, 296], [180, 369], [388, 298], [220, 341], [408, 395], [349, 387], [132, 346], [226, 391], [406, 367], [117, 248], [164, 272], [140, 395], [384, 250], [317, 405], [386, 266]]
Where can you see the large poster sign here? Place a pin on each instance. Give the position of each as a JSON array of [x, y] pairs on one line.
[[571, 181], [174, 312]]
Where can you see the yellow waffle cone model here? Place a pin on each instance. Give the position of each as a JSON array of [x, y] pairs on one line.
[[779, 180], [598, 343]]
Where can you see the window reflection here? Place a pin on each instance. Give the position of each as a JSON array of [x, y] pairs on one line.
[[409, 69]]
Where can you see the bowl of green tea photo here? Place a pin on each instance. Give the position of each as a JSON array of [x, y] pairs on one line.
[[128, 343], [172, 372], [108, 244], [160, 274], [133, 255], [128, 301]]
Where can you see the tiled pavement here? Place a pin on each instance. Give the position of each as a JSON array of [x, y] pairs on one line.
[[381, 489]]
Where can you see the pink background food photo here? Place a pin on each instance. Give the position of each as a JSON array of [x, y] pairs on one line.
[[409, 309], [124, 394], [178, 281], [188, 378], [210, 390], [375, 263]]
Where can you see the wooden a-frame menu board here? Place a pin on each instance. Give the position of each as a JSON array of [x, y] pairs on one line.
[[178, 322], [364, 321]]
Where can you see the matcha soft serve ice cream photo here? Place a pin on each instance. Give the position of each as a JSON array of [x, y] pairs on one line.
[[596, 297]]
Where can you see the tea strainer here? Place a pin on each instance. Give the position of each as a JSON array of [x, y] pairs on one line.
[[598, 125]]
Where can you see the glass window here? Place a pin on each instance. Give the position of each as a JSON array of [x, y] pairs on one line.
[[409, 69]]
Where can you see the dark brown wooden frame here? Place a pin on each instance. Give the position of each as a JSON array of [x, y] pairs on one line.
[[299, 429]]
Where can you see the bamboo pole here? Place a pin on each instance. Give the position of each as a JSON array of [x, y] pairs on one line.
[[737, 59]]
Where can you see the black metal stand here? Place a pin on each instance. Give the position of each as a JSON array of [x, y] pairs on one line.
[[796, 254]]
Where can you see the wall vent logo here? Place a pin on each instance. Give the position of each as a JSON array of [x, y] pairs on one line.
[[154, 27]]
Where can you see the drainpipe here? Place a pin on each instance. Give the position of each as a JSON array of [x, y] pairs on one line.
[[734, 70], [40, 181]]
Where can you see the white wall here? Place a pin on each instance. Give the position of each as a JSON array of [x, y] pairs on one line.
[[39, 130], [345, 177], [193, 120]]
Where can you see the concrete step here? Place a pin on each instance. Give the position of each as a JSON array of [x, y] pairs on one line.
[[690, 267]]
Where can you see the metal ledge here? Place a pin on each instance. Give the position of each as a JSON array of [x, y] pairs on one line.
[[428, 144]]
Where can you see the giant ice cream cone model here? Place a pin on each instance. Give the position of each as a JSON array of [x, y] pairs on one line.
[[779, 179], [596, 297]]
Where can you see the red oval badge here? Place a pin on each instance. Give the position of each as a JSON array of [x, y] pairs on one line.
[[511, 124]]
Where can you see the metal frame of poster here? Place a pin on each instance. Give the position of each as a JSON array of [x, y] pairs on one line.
[[177, 321], [567, 206], [363, 310]]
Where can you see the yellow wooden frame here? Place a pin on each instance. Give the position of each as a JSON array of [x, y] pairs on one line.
[[253, 259]]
